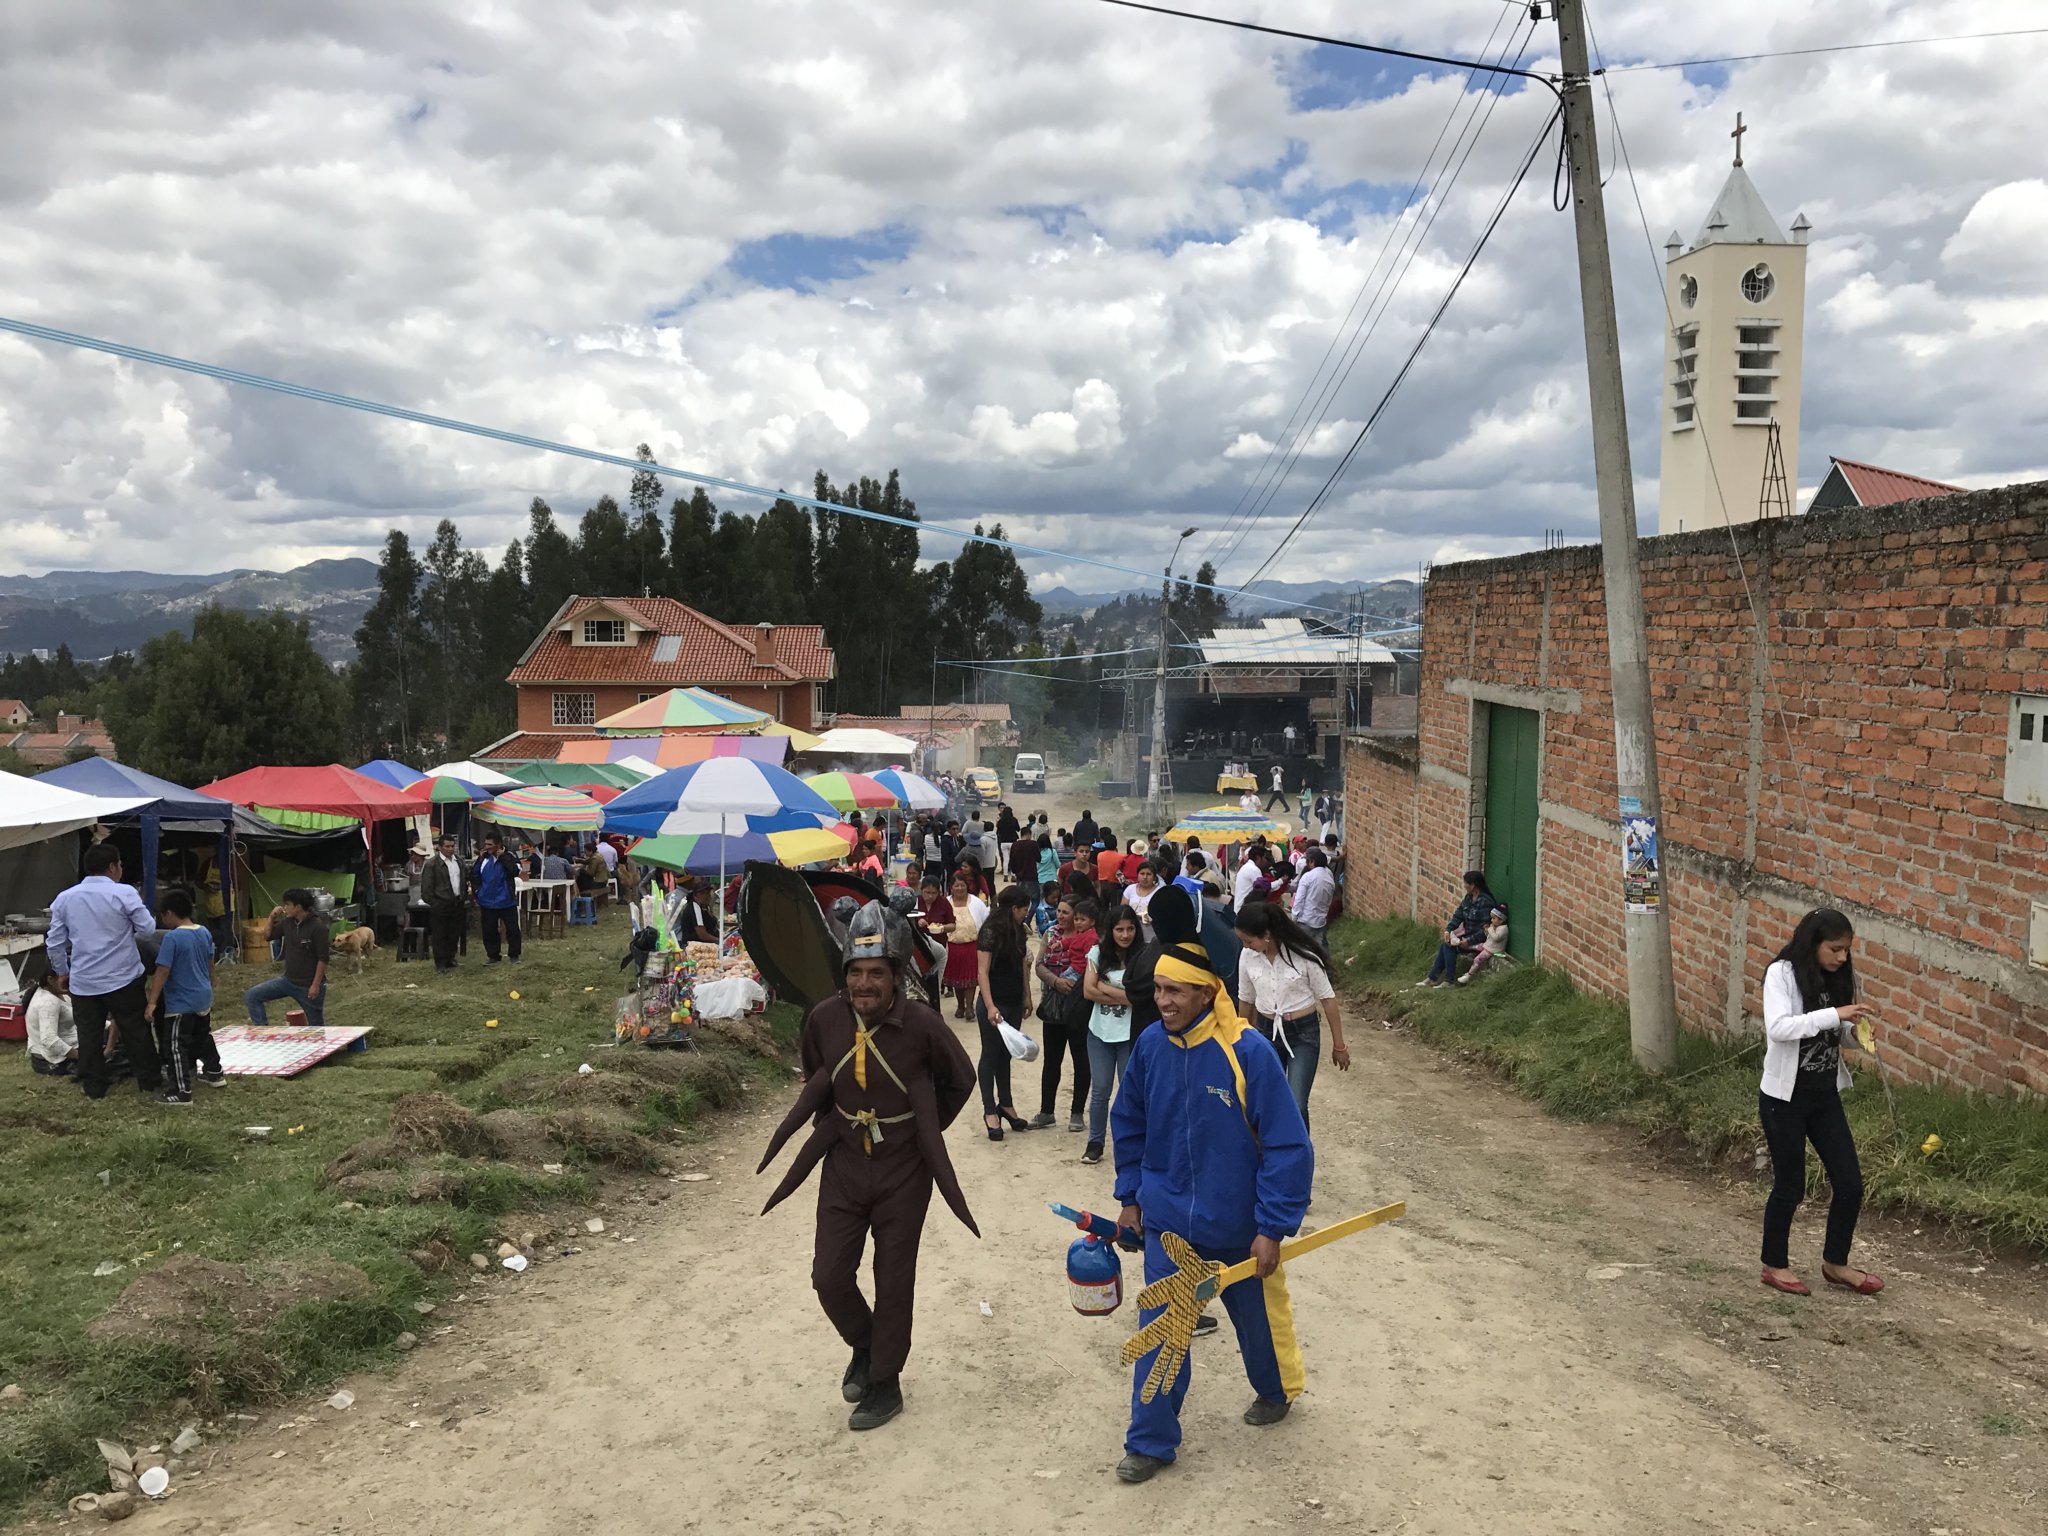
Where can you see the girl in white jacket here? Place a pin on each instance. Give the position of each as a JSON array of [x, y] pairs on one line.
[[1809, 1014]]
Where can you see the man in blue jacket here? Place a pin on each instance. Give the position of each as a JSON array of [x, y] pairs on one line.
[[495, 882], [1209, 1145]]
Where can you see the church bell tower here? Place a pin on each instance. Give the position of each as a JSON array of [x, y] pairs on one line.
[[1729, 408]]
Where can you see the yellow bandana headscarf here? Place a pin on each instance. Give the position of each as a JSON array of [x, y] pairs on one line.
[[1189, 965]]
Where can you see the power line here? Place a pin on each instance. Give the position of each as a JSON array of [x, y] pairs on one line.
[[1331, 42], [1416, 351], [1412, 238], [119, 349], [1796, 53], [1256, 483]]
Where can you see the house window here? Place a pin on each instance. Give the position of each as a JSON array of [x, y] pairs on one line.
[[2026, 752], [645, 697], [817, 702], [1758, 284], [575, 709], [604, 631], [1685, 377]]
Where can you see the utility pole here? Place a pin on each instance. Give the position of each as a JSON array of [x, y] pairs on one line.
[[1652, 999], [1157, 812]]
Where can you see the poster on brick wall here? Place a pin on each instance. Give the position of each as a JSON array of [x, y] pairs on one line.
[[1642, 880]]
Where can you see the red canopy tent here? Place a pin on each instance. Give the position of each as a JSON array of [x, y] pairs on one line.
[[329, 790]]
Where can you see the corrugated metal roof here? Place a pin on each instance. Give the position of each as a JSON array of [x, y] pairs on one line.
[[1288, 643], [1876, 487]]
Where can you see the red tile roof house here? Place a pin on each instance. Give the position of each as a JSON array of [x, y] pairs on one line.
[[599, 655], [14, 713], [53, 749]]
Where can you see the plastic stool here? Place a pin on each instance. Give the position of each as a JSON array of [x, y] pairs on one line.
[[582, 911], [412, 944]]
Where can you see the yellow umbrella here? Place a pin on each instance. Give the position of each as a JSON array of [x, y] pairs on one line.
[[1221, 824]]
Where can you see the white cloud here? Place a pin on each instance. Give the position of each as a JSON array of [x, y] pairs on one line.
[[1125, 248]]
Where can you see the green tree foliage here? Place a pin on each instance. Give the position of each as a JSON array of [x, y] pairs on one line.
[[13, 762], [244, 690], [870, 596], [983, 607], [1195, 610], [693, 573], [388, 681], [553, 567]]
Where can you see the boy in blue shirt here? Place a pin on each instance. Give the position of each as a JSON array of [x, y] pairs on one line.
[[1210, 1145], [181, 1001]]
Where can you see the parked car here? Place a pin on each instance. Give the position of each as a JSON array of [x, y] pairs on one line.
[[1028, 776], [983, 787]]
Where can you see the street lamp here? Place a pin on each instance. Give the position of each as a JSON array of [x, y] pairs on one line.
[[1157, 812]]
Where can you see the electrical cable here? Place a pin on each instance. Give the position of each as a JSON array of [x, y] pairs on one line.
[[1798, 53], [1413, 237], [1257, 481], [1547, 81], [1415, 352], [214, 371]]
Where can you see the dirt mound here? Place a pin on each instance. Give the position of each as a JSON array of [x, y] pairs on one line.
[[749, 1033], [602, 1140], [186, 1299], [433, 1122], [574, 1088], [365, 1156], [373, 1186]]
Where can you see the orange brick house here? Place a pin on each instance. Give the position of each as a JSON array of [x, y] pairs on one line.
[[599, 655]]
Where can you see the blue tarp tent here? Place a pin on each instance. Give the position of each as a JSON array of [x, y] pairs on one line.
[[389, 771], [168, 802]]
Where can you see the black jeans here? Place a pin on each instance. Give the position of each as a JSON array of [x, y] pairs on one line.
[[184, 1042], [124, 1006], [1066, 1033], [495, 919], [1788, 1126], [445, 923], [993, 1069]]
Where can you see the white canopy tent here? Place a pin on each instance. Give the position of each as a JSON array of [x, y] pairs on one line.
[[863, 741], [33, 812], [474, 773]]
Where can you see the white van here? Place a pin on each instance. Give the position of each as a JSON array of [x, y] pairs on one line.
[[1028, 775]]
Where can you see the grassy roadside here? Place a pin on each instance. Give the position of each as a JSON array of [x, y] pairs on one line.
[[338, 1221], [1570, 1052]]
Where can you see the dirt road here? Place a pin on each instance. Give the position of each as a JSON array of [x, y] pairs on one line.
[[1559, 1338]]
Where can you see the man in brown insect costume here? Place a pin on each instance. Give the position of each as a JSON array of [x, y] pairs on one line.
[[883, 1078]]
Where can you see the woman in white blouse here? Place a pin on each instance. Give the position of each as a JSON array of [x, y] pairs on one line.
[[1138, 896], [1283, 978], [1810, 1015]]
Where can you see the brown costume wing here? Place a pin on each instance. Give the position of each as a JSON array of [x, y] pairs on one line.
[[931, 1141]]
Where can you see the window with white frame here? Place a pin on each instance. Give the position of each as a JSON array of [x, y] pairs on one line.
[[604, 631], [575, 709], [1685, 377]]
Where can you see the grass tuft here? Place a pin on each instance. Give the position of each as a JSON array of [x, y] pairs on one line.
[[1570, 1053]]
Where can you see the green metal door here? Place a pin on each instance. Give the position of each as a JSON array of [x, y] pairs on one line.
[[1513, 738]]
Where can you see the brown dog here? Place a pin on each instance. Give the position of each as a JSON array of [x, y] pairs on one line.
[[360, 942]]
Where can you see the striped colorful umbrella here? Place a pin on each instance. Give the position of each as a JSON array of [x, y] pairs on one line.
[[913, 792], [707, 853], [540, 807], [852, 791], [1227, 824], [696, 798], [443, 790], [682, 709]]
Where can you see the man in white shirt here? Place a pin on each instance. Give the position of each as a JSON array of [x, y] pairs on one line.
[[1277, 788], [609, 854], [1313, 895], [1246, 887]]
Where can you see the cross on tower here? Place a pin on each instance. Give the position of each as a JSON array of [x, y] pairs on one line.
[[1737, 137]]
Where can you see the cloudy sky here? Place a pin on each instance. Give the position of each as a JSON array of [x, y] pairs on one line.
[[1065, 266]]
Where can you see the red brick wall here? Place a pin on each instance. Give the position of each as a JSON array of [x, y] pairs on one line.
[[1858, 763]]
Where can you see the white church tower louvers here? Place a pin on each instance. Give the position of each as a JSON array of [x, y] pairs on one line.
[[1732, 359]]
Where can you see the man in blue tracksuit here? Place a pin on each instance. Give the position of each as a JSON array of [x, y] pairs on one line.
[[1209, 1145]]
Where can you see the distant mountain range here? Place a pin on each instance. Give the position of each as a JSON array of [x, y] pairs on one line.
[[1391, 598], [97, 613]]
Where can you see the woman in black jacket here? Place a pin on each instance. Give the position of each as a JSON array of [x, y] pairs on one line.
[[1465, 931]]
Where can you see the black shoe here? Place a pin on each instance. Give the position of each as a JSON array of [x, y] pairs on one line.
[[1263, 1413], [95, 1094], [215, 1079], [1206, 1323], [1013, 1121], [171, 1099], [1092, 1153], [1042, 1121], [493, 960], [1137, 1469], [882, 1401], [853, 1386]]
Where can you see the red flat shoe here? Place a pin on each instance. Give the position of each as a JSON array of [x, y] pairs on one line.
[[1869, 1285], [1789, 1287]]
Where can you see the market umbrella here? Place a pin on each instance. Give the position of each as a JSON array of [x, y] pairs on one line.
[[913, 792], [704, 853], [682, 709], [603, 794], [444, 790], [473, 773], [1226, 824], [540, 807], [706, 797], [390, 771], [852, 791]]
